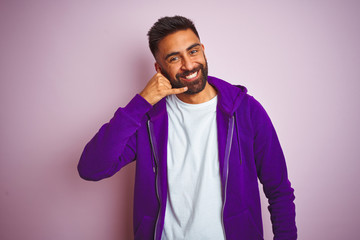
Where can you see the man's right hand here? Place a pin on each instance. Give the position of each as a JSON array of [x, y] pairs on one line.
[[159, 87]]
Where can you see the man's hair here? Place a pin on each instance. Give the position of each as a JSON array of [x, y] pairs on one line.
[[165, 26]]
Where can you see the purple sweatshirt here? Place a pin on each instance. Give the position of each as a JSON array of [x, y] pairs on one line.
[[248, 150]]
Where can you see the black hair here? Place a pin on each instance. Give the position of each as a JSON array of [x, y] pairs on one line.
[[165, 26]]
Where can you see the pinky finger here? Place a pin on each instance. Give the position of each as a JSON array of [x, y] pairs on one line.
[[177, 90]]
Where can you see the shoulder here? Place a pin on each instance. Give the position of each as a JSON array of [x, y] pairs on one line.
[[235, 93]]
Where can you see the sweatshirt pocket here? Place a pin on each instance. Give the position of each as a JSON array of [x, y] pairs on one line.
[[242, 226], [145, 229]]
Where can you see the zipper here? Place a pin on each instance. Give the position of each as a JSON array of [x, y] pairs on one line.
[[156, 171], [227, 156]]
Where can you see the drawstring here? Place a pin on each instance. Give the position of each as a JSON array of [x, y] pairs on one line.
[[238, 138]]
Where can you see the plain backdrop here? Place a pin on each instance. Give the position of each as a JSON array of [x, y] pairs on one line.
[[66, 66]]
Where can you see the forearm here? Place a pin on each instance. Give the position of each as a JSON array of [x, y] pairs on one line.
[[113, 146], [272, 173]]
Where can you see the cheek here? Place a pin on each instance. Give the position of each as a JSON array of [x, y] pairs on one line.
[[201, 60], [173, 71]]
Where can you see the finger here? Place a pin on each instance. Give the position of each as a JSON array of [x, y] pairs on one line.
[[164, 81], [176, 91]]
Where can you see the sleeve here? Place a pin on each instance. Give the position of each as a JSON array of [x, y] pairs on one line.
[[272, 173], [114, 145]]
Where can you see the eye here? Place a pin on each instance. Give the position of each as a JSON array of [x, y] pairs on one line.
[[194, 51], [174, 59]]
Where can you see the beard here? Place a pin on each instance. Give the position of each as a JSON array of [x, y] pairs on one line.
[[195, 86]]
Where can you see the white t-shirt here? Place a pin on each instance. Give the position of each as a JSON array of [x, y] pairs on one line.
[[193, 208]]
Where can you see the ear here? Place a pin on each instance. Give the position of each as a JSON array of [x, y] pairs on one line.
[[157, 67], [203, 49]]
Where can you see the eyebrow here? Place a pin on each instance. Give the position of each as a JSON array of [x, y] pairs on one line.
[[187, 49]]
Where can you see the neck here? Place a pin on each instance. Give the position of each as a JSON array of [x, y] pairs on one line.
[[208, 93]]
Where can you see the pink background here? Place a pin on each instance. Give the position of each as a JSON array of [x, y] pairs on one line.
[[66, 66]]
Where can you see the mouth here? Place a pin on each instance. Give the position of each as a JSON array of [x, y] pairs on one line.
[[191, 77]]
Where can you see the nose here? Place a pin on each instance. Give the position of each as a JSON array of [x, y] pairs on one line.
[[187, 64]]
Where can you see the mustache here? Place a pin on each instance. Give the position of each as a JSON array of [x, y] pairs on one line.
[[184, 74]]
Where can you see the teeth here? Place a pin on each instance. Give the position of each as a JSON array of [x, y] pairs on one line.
[[191, 75]]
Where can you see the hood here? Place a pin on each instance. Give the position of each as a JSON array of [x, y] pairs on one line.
[[229, 96]]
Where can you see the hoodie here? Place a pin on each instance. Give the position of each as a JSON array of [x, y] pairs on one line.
[[249, 150]]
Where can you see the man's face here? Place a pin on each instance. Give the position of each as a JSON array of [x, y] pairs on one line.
[[182, 61]]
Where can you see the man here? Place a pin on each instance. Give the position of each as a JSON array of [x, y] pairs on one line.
[[200, 143]]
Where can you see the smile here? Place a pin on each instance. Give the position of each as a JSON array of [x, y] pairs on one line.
[[191, 76]]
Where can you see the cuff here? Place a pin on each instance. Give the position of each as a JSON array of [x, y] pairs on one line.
[[137, 107]]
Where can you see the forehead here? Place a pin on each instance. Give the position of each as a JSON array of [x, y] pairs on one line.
[[177, 42]]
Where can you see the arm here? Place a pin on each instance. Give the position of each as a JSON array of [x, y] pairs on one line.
[[114, 145], [272, 173]]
